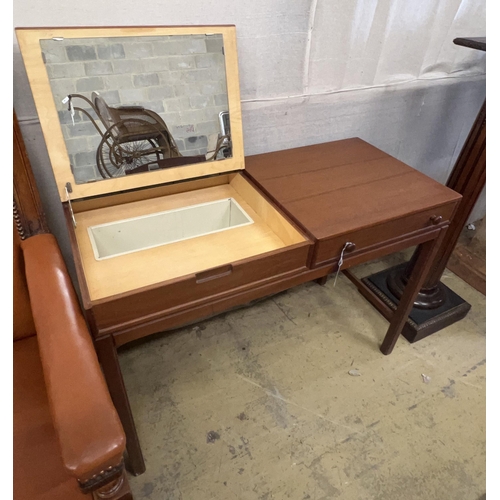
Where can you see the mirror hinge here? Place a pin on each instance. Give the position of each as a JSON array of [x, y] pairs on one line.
[[69, 189]]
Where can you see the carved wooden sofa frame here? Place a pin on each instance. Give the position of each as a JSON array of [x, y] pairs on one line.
[[68, 439]]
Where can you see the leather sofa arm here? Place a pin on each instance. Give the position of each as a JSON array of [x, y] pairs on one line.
[[90, 434]]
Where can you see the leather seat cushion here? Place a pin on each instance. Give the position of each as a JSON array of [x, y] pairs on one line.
[[38, 468]]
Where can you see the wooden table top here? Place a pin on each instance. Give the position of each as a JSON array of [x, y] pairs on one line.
[[343, 186]]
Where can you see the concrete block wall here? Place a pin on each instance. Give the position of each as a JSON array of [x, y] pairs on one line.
[[182, 78]]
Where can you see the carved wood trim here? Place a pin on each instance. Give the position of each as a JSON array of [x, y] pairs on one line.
[[18, 222], [28, 212], [467, 178]]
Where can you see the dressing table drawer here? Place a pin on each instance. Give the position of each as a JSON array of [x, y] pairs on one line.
[[371, 238], [151, 304], [128, 280], [351, 191]]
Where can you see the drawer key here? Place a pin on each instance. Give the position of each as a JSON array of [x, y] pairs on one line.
[[348, 247]]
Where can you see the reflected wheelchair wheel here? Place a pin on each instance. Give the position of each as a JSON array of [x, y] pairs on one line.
[[115, 159]]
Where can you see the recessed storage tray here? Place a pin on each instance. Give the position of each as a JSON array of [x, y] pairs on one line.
[[254, 242], [149, 231]]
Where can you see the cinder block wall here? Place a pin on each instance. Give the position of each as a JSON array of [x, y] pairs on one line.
[[181, 78]]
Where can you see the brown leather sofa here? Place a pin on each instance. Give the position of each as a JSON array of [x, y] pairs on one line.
[[68, 439]]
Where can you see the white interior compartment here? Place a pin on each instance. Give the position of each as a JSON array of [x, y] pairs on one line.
[[161, 228]]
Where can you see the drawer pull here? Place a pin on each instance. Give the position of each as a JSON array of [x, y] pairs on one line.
[[212, 274], [436, 219], [349, 247]]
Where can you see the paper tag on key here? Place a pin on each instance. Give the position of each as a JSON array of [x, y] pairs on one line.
[[341, 260]]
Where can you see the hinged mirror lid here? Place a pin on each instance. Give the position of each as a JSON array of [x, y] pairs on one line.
[[130, 107]]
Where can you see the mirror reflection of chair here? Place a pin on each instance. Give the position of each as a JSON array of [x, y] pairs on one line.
[[135, 139], [134, 136]]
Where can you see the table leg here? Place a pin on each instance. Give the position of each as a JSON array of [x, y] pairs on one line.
[[426, 254], [322, 281], [108, 357]]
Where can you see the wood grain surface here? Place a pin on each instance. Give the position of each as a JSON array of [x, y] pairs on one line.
[[349, 189]]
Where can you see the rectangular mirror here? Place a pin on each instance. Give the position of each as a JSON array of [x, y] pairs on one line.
[[133, 104], [153, 104]]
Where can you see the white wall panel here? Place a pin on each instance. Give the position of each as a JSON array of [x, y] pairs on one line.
[[366, 43]]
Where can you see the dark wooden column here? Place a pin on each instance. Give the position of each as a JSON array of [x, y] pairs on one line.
[[29, 216], [436, 306]]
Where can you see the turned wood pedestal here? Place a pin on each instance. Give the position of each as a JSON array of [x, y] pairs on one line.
[[436, 305]]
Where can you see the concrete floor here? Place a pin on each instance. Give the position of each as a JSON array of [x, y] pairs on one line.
[[258, 403]]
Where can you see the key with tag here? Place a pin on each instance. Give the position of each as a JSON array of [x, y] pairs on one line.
[[349, 245]]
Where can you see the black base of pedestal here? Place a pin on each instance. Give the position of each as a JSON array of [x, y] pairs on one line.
[[421, 322]]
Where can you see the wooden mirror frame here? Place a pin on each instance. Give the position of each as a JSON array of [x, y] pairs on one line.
[[29, 43]]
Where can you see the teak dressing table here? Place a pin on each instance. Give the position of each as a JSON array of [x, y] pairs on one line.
[[169, 246]]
